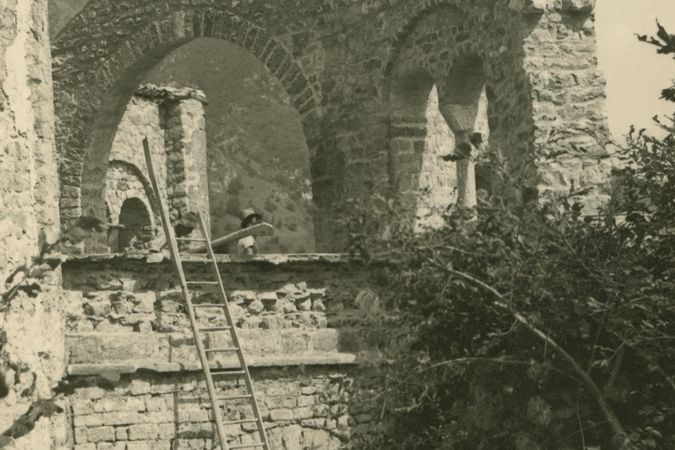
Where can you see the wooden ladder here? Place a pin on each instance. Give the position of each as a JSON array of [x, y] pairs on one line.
[[217, 282]]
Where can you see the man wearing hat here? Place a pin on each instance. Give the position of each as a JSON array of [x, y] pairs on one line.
[[247, 246]]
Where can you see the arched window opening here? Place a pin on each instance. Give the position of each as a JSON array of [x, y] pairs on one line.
[[438, 178], [420, 137], [137, 228], [463, 102]]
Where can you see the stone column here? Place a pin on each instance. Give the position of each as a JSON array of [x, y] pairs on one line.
[[187, 177], [182, 112]]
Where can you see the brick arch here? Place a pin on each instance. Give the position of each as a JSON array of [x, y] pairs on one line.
[[145, 188], [90, 101]]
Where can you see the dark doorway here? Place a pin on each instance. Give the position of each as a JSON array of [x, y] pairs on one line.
[[136, 220]]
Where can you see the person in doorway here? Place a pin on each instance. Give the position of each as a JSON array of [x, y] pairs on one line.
[[247, 246]]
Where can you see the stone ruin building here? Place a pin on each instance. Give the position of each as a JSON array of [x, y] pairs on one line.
[[106, 335]]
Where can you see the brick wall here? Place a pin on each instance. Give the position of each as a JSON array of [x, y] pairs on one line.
[[307, 408]]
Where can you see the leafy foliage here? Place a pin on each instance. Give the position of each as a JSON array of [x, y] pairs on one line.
[[529, 324], [665, 43], [533, 322]]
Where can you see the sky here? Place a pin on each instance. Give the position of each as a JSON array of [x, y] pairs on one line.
[[635, 73]]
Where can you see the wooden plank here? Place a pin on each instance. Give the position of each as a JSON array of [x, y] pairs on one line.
[[260, 229]]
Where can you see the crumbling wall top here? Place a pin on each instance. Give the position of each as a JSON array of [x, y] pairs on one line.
[[538, 6], [162, 94]]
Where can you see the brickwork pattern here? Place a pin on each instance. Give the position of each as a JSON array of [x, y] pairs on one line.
[[186, 156], [300, 410]]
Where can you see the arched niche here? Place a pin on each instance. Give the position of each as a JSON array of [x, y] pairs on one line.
[[135, 224], [409, 90], [124, 181]]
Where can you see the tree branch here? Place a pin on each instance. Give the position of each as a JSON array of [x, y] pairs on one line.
[[620, 436]]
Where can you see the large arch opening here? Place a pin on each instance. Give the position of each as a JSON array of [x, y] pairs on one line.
[[256, 149], [249, 168]]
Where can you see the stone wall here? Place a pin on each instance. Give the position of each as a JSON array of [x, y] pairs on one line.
[[302, 409], [31, 325], [124, 182], [304, 323], [173, 121], [126, 163], [186, 152], [339, 64]]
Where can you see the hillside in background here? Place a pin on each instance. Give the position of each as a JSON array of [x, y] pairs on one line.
[[60, 12], [256, 146]]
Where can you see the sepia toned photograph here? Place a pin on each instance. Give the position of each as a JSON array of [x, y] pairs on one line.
[[337, 224]]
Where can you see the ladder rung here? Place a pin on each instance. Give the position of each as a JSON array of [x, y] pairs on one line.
[[234, 397], [202, 282], [208, 305], [227, 398], [190, 239], [228, 372], [235, 422], [208, 329], [260, 444], [222, 349]]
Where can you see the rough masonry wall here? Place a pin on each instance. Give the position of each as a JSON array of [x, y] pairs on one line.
[[572, 145], [31, 328], [337, 60], [188, 188], [302, 324], [173, 121]]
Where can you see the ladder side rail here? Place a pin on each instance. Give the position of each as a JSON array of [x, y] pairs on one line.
[[175, 256], [235, 339]]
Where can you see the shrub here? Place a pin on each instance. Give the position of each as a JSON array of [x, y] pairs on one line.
[[534, 322]]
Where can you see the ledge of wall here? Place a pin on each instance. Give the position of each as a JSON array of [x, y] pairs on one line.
[[269, 258], [127, 316], [114, 370]]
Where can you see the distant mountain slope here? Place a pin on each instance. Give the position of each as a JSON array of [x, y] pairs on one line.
[[60, 12], [255, 138]]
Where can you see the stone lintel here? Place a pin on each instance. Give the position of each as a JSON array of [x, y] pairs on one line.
[[162, 94]]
